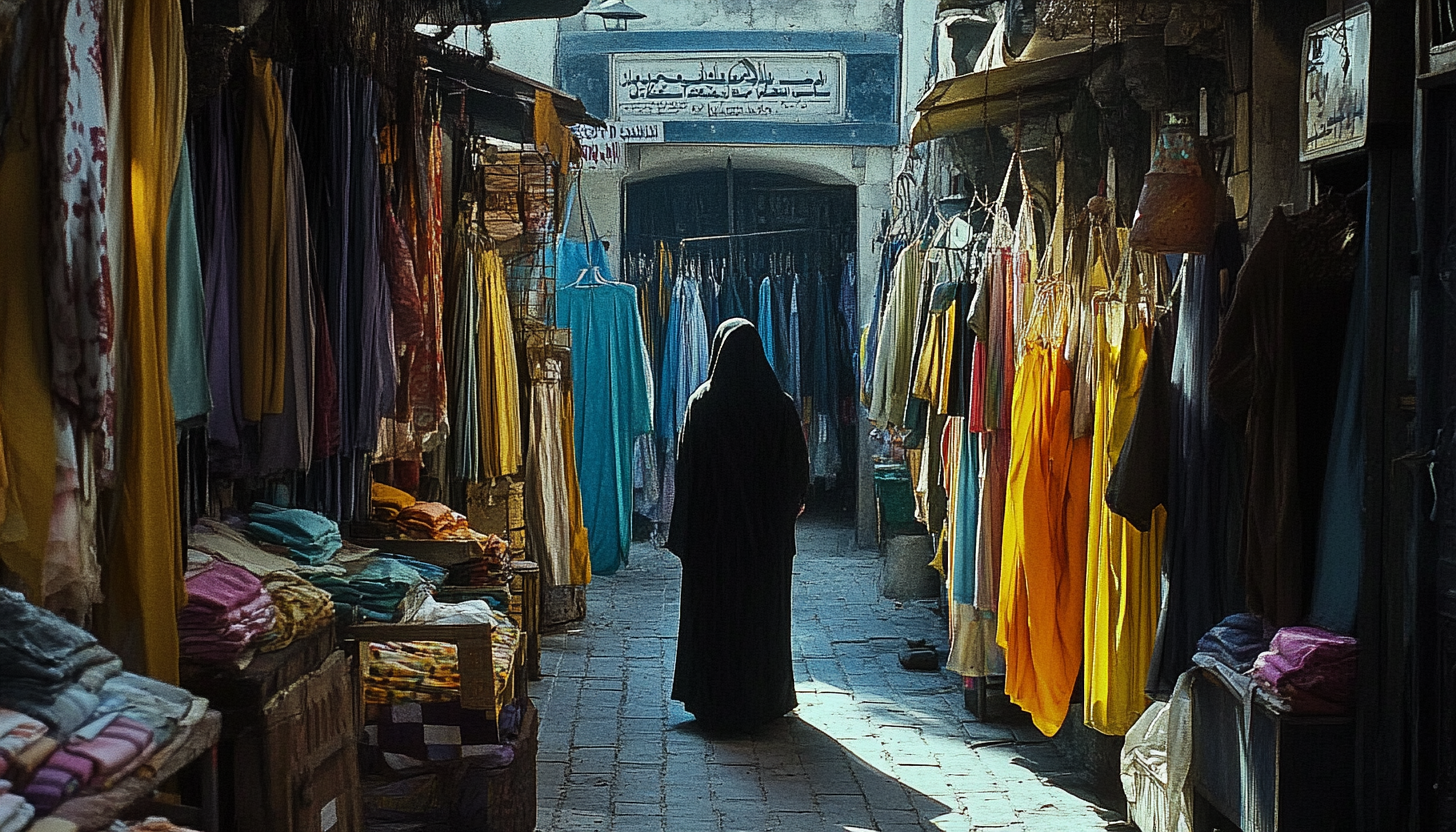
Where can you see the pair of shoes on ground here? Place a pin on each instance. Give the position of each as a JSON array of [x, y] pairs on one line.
[[919, 654]]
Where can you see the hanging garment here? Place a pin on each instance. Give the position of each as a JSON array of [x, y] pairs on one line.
[[214, 148], [767, 326], [286, 439], [1275, 372], [72, 577], [1340, 547], [263, 246], [614, 407], [186, 354], [684, 368], [74, 244], [1191, 467], [465, 316], [890, 377], [27, 433], [498, 377], [143, 570], [1043, 576], [742, 474], [973, 648], [553, 521], [1123, 564]]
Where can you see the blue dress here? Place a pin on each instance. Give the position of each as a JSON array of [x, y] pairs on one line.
[[613, 407]]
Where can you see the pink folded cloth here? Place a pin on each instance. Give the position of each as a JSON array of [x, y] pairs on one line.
[[223, 586]]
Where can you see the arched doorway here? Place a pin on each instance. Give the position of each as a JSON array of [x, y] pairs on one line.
[[735, 230]]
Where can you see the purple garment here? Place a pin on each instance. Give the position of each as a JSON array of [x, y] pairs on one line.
[[1313, 669], [213, 144]]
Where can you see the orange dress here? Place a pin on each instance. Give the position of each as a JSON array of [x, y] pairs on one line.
[[1044, 541]]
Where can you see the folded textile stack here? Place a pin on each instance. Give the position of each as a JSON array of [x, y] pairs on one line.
[[227, 611], [72, 721], [430, 572], [311, 538], [15, 811], [302, 609], [53, 668], [389, 501], [373, 585], [1311, 669], [220, 540], [432, 521], [1237, 640], [95, 758], [429, 671]]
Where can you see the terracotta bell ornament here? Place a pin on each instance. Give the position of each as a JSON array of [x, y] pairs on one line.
[[1177, 209]]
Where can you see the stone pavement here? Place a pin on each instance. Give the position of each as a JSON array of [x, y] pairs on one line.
[[870, 747]]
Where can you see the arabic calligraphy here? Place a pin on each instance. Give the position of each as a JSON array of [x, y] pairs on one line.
[[1336, 85], [788, 86]]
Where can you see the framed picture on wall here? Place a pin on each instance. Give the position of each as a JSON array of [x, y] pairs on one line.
[[1335, 91]]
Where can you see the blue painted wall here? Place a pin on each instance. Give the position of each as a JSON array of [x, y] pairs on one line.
[[871, 69]]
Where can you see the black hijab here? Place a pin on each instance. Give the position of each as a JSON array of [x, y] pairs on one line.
[[741, 454]]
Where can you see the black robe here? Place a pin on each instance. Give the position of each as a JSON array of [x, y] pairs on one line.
[[742, 475]]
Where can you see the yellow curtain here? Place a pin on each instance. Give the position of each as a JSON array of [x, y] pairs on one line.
[[27, 433], [143, 568]]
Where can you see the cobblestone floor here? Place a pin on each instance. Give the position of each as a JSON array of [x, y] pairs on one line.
[[871, 746]]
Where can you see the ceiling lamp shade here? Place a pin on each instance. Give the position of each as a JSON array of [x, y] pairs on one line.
[[615, 14], [1177, 208]]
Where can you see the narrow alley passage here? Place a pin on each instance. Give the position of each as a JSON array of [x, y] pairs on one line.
[[871, 746]]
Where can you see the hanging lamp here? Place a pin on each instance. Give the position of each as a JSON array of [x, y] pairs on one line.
[[1177, 208]]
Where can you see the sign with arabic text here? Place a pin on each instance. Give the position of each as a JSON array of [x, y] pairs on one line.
[[605, 147], [757, 86]]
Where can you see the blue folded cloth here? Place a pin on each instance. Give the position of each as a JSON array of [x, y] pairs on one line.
[[1237, 640], [310, 537]]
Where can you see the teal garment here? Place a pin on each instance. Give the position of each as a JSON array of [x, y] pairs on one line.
[[766, 329], [968, 500], [1340, 547], [613, 405], [186, 356]]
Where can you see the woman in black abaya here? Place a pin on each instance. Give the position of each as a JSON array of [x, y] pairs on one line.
[[742, 475]]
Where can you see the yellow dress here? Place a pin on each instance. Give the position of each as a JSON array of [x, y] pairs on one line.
[[143, 567], [27, 433], [500, 397], [1044, 544], [1123, 564]]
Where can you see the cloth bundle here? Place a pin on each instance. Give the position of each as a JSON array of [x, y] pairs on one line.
[[431, 573], [311, 538], [15, 811], [227, 610], [95, 758], [72, 721], [52, 667], [429, 671], [490, 568], [20, 738], [301, 609], [1237, 640], [373, 585], [389, 501], [1311, 669], [432, 521]]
